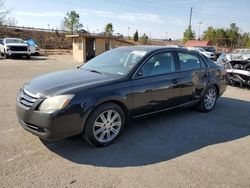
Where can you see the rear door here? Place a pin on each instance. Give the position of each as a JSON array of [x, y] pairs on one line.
[[156, 84], [193, 76]]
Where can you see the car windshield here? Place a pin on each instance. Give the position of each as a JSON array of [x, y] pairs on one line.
[[210, 49], [20, 41], [118, 61], [201, 50]]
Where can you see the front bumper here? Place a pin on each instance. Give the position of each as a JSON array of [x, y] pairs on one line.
[[50, 126], [10, 53]]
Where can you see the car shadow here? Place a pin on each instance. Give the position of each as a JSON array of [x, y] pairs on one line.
[[163, 137], [33, 58]]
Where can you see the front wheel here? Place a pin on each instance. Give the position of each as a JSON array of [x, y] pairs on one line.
[[209, 99], [6, 56], [104, 124], [27, 56]]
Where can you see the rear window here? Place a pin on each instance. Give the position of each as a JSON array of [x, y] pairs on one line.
[[210, 63]]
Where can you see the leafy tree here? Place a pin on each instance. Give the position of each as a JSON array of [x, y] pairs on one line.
[[144, 38], [245, 40], [225, 37], [136, 36], [72, 21], [188, 34], [109, 29], [209, 34], [220, 37], [233, 33]]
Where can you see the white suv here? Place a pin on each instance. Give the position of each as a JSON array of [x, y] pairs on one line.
[[10, 47]]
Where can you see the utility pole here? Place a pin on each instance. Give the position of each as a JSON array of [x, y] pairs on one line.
[[128, 32], [199, 30], [190, 18], [190, 22]]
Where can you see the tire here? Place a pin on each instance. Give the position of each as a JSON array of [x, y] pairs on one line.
[[27, 56], [209, 99], [6, 56], [104, 125]]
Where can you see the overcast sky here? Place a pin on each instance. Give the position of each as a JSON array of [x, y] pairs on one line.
[[157, 18]]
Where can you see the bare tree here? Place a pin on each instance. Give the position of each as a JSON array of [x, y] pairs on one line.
[[11, 21], [3, 12]]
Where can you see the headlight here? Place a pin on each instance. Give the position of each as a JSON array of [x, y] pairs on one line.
[[55, 103]]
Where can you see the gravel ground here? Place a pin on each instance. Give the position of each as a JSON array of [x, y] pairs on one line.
[[183, 148]]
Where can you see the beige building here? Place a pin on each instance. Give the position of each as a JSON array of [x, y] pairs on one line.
[[87, 46]]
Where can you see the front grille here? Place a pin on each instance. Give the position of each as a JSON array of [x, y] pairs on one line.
[[26, 98], [18, 48]]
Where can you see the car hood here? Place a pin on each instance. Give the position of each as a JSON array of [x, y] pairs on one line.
[[16, 44], [64, 81]]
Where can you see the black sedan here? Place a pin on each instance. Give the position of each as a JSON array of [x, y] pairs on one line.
[[98, 98]]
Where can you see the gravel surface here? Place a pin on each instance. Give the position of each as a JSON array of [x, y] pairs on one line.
[[183, 148]]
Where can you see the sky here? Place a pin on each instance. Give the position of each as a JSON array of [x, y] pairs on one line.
[[158, 18]]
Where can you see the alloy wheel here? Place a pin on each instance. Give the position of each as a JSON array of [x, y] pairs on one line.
[[107, 126], [210, 98]]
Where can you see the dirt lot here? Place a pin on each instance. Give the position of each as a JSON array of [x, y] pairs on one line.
[[184, 148]]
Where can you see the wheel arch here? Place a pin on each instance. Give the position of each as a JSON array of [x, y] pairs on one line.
[[114, 101]]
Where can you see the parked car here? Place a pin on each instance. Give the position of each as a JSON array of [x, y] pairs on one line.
[[34, 48], [210, 55], [14, 47], [211, 49], [99, 97], [208, 48]]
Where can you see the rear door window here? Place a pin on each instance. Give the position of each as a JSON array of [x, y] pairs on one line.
[[189, 61]]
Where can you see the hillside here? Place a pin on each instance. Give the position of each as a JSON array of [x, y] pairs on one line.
[[47, 39]]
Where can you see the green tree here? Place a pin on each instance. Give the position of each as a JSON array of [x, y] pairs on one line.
[[245, 40], [233, 34], [230, 36], [220, 37], [109, 29], [188, 34], [144, 38], [72, 21], [209, 34], [136, 36]]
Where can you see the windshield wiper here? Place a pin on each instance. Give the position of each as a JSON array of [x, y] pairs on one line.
[[96, 71]]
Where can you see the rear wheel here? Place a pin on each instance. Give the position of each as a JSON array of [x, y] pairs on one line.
[[209, 99], [104, 125]]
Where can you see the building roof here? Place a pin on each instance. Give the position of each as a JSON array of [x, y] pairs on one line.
[[89, 35], [192, 43]]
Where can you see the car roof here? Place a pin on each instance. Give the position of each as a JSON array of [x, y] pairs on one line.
[[152, 48], [149, 48]]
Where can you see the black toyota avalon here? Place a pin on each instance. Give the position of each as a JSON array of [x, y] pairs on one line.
[[98, 98]]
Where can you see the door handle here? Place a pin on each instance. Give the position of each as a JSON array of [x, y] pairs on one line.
[[174, 81]]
